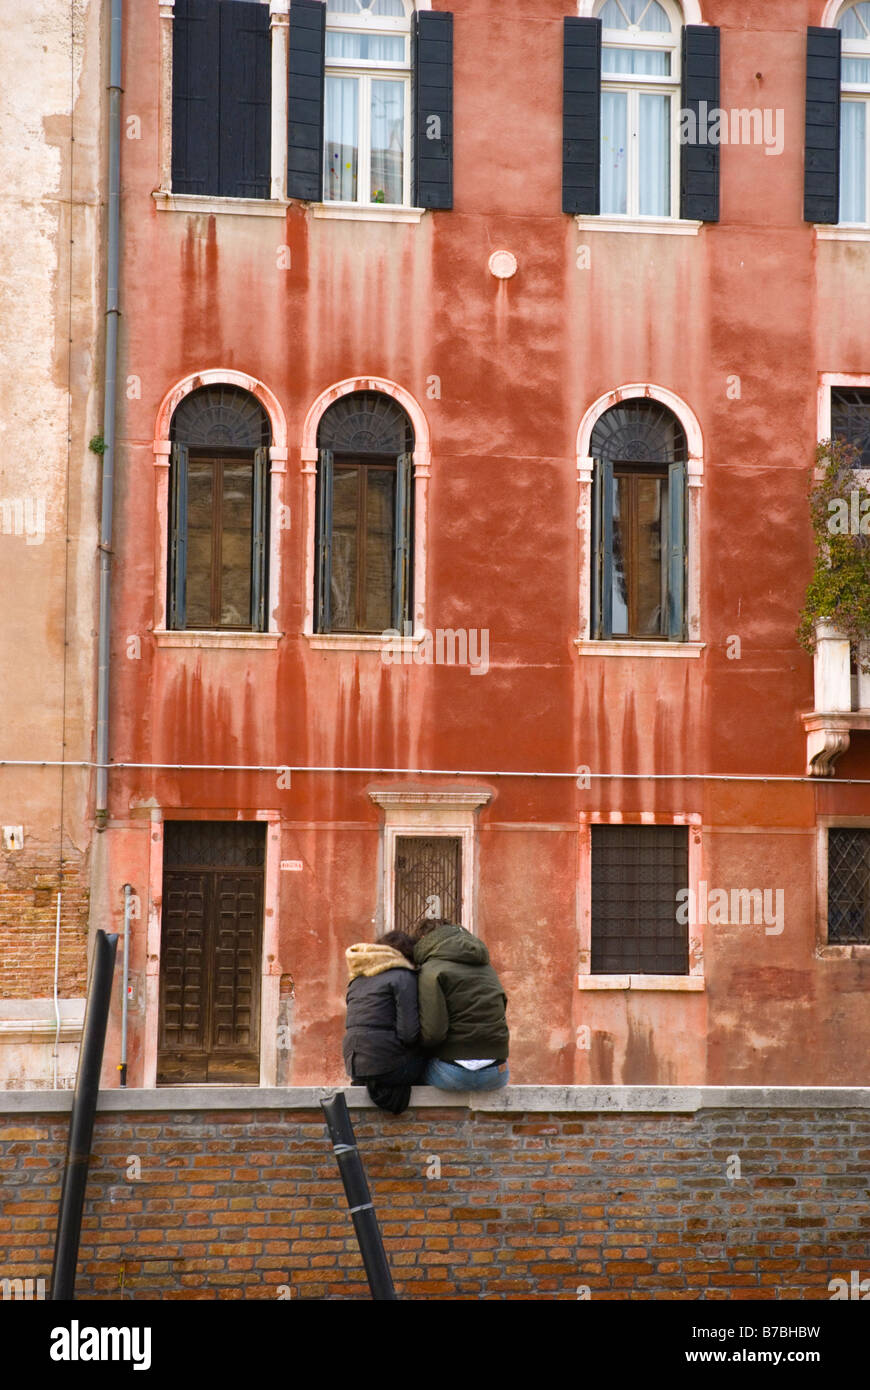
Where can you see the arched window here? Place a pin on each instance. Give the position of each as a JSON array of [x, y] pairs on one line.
[[367, 116], [364, 515], [854, 26], [639, 523], [640, 85], [218, 511]]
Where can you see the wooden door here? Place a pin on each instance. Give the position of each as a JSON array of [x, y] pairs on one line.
[[210, 957]]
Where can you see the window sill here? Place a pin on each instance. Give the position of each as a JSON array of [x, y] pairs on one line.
[[853, 950], [196, 202], [680, 984], [237, 640], [589, 647], [361, 642], [366, 212], [659, 226], [846, 231]]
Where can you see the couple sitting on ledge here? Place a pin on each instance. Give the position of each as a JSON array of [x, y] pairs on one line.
[[424, 1010]]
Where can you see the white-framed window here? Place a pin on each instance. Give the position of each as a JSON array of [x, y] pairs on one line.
[[429, 852], [640, 88], [367, 117], [854, 26]]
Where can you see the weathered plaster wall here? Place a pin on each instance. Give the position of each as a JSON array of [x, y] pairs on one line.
[[52, 86], [519, 362]]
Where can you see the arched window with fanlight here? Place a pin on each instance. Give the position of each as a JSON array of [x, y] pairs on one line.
[[218, 514], [854, 26], [370, 106], [364, 515], [639, 523], [640, 86], [367, 104]]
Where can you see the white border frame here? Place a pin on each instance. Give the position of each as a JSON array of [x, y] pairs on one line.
[[641, 390], [218, 376], [690, 10], [694, 980]]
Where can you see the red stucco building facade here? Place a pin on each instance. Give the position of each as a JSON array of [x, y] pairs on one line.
[[377, 766]]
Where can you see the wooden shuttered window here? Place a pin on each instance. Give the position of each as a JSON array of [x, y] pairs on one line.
[[305, 100], [364, 528], [324, 540], [581, 116], [822, 137], [218, 563], [196, 41], [221, 98], [432, 40], [178, 535], [699, 160], [618, 555]]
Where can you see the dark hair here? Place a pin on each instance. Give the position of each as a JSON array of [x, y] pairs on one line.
[[400, 941], [427, 924]]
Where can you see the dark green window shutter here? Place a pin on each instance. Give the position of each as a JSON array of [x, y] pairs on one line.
[[581, 116], [324, 540], [258, 540], [402, 544], [601, 623], [177, 536], [676, 551], [822, 142], [245, 100], [305, 100], [195, 96], [699, 162], [433, 109]]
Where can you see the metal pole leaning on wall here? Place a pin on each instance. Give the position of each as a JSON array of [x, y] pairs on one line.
[[359, 1199], [81, 1122]]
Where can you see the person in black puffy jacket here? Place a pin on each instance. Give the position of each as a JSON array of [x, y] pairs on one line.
[[381, 1041]]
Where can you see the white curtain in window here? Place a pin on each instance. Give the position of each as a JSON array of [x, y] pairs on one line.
[[341, 139], [853, 146], [614, 144], [654, 155], [372, 48], [388, 138]]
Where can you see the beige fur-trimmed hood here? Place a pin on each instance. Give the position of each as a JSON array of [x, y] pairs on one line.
[[367, 958]]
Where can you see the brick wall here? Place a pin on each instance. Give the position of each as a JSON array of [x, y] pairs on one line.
[[29, 885], [248, 1204]]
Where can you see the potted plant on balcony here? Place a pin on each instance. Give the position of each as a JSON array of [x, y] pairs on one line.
[[836, 612]]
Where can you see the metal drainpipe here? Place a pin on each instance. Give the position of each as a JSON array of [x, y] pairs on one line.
[[112, 314], [122, 1065]]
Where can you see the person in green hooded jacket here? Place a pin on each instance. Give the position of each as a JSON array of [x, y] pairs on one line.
[[462, 1010]]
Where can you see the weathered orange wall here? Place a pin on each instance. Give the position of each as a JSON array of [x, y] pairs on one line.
[[520, 362]]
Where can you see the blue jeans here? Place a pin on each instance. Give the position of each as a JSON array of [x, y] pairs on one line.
[[449, 1076]]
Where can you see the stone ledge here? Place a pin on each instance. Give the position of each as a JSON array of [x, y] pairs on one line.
[[517, 1099]]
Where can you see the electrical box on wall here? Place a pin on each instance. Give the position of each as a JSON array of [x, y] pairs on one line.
[[13, 837]]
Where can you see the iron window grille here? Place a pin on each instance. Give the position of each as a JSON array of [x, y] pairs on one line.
[[637, 872]]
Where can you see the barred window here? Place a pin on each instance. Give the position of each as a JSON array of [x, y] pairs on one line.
[[637, 872], [848, 886]]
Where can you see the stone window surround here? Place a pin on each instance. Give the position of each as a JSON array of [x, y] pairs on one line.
[[586, 644], [162, 450], [349, 641], [415, 811], [692, 982]]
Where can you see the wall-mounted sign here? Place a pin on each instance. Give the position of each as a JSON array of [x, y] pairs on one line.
[[292, 865]]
